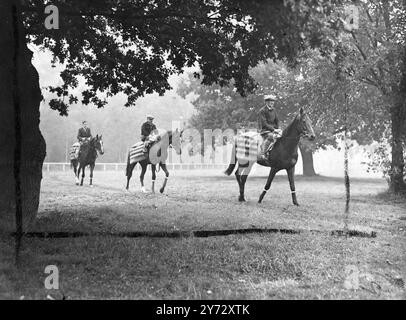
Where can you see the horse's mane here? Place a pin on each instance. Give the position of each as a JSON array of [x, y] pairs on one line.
[[288, 128]]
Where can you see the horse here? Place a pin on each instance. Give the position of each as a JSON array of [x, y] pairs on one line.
[[283, 155], [87, 157], [157, 154]]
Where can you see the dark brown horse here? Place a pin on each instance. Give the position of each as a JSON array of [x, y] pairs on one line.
[[87, 157], [157, 155], [283, 156]]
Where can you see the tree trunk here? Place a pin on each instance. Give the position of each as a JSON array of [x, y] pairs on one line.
[[398, 118], [307, 159], [397, 164], [17, 75]]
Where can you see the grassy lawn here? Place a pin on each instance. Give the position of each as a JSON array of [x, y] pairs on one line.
[[254, 266]]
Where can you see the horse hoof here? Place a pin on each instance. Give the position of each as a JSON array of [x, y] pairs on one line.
[[161, 190], [241, 199], [143, 190], [91, 186], [296, 204]]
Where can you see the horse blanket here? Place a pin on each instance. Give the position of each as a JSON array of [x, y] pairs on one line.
[[137, 153], [248, 145], [74, 151]]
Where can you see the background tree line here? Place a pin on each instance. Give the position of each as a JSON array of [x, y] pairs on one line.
[[362, 69]]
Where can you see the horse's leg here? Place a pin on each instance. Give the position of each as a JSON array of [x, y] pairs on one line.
[[163, 166], [143, 170], [153, 169], [291, 176], [243, 179], [78, 173], [272, 174], [83, 175], [75, 170], [129, 173], [238, 178], [91, 174]]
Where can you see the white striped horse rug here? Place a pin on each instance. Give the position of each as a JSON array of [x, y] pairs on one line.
[[136, 152], [74, 151], [248, 146]]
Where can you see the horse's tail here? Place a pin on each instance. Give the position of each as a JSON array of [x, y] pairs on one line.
[[233, 160]]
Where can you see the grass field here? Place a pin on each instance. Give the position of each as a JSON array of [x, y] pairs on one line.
[[255, 266]]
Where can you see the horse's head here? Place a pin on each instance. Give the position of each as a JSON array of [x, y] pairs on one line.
[[98, 144], [305, 127], [175, 140]]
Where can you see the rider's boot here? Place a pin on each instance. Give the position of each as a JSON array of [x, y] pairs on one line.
[[265, 151]]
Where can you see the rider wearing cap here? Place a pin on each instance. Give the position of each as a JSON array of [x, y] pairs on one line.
[[84, 135], [84, 132], [147, 129], [268, 123]]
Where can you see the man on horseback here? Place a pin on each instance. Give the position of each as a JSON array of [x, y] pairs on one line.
[[148, 132], [268, 123], [84, 132], [84, 135]]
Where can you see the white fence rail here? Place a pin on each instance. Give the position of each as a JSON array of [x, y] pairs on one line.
[[60, 166]]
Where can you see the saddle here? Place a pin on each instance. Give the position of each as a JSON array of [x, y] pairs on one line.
[[268, 141], [151, 141]]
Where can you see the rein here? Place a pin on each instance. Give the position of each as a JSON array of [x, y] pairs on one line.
[[299, 136]]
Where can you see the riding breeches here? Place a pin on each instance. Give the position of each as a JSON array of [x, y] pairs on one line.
[[268, 139]]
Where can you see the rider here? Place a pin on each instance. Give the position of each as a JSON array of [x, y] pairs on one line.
[[84, 135], [84, 132], [268, 124], [148, 129]]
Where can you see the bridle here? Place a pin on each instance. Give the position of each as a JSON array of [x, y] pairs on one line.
[[98, 146], [303, 133]]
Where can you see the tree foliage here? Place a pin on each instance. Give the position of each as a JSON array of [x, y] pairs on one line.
[[363, 68], [133, 46]]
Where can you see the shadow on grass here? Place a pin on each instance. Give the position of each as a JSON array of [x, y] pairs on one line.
[[317, 178], [197, 234]]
